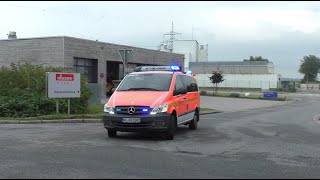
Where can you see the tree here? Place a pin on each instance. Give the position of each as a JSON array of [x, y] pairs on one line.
[[216, 78], [310, 66], [256, 58]]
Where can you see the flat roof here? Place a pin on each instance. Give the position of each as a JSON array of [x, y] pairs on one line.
[[101, 42], [230, 63], [153, 72]]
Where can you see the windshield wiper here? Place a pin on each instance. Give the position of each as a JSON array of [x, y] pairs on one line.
[[137, 89]]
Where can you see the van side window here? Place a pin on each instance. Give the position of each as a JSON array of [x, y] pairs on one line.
[[178, 84], [190, 83], [194, 85]]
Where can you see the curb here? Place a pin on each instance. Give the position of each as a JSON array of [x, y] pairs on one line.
[[68, 121], [50, 121], [209, 112]]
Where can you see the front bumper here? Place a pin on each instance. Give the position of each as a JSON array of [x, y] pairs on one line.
[[148, 122]]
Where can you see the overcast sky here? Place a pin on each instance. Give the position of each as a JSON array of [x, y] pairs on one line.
[[282, 32]]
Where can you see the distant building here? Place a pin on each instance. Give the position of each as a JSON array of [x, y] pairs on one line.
[[238, 74], [291, 84], [203, 53], [191, 50]]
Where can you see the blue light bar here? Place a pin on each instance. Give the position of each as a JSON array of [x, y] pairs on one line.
[[189, 72], [175, 68], [157, 68], [145, 110]]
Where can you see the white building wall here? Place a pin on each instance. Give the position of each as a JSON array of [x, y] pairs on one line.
[[190, 48], [263, 81], [270, 68], [203, 54]]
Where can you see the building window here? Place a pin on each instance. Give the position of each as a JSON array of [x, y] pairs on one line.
[[87, 67]]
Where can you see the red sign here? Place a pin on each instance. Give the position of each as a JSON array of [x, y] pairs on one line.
[[64, 77], [101, 75]]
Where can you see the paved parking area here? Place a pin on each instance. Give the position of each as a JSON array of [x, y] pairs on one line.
[[236, 104]]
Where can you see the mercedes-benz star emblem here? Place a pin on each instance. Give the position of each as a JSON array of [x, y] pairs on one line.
[[131, 110]]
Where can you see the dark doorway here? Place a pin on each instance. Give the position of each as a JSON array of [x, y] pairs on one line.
[[113, 69]]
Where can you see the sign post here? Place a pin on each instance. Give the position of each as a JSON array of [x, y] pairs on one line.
[[69, 106], [63, 85], [57, 106], [124, 54]]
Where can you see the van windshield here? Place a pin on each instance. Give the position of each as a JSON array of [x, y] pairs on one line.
[[146, 82]]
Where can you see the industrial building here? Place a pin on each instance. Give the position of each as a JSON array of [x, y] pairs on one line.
[[92, 58], [237, 74], [192, 50]]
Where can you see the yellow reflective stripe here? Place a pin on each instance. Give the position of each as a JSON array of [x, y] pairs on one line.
[[177, 103], [174, 104], [193, 99]]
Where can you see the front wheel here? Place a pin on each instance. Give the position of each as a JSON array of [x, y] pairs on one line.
[[172, 128], [194, 123]]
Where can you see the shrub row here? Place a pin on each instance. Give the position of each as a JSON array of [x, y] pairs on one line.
[[22, 92]]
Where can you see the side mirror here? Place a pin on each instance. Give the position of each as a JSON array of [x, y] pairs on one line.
[[179, 91], [175, 93]]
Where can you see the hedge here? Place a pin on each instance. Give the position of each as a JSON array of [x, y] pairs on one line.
[[22, 92]]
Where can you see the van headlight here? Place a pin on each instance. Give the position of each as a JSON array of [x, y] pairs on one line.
[[108, 109], [160, 109]]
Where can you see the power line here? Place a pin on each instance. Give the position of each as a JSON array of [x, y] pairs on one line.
[[171, 35]]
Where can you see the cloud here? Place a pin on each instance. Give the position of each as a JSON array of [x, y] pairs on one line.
[[259, 23], [281, 31]]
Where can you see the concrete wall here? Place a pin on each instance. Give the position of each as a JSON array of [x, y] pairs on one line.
[[209, 67], [306, 87], [265, 81], [35, 51]]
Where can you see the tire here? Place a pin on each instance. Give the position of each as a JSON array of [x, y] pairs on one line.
[[194, 123], [172, 128], [112, 133]]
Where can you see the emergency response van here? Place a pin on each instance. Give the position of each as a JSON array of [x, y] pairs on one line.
[[153, 98]]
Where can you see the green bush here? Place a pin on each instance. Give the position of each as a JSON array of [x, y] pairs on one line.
[[234, 95], [203, 92], [22, 92], [282, 99]]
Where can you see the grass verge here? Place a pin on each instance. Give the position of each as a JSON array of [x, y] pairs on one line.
[[94, 112]]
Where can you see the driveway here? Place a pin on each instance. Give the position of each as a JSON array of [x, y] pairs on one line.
[[236, 104]]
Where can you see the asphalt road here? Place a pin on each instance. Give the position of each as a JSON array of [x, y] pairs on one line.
[[274, 142]]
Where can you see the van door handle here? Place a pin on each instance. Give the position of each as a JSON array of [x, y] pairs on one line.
[[185, 98]]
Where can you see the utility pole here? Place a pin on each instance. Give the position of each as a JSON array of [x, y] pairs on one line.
[[172, 38]]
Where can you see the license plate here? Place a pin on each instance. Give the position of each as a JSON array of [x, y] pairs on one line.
[[131, 120]]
